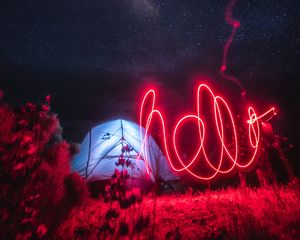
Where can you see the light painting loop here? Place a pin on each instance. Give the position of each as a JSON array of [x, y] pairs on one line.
[[221, 109]]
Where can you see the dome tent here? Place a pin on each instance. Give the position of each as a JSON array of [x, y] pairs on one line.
[[102, 147]]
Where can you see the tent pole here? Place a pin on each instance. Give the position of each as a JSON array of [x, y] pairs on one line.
[[122, 130], [87, 164]]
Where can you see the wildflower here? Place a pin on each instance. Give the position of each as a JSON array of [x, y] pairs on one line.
[[41, 231], [26, 139], [48, 99], [19, 166], [32, 149], [123, 149], [128, 163], [45, 108], [125, 173], [116, 173], [121, 161]]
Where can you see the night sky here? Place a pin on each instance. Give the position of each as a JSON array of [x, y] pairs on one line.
[[94, 56]]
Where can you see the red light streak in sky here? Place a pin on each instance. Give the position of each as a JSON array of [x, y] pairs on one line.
[[235, 24], [222, 111]]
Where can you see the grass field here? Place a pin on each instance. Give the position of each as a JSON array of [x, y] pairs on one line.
[[242, 213]]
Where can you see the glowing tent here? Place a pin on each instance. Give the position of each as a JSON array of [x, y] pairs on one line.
[[102, 147]]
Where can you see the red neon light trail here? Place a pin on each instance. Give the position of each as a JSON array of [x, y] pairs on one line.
[[235, 24], [222, 111]]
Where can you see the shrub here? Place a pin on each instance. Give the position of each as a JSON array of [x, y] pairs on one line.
[[37, 190]]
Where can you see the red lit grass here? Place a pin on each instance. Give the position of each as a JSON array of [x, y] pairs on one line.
[[243, 213]]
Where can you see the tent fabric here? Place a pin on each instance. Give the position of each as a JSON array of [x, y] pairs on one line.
[[102, 147]]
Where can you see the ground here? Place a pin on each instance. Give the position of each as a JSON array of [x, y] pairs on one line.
[[243, 213]]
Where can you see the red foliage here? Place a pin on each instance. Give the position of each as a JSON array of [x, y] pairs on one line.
[[37, 190], [76, 188]]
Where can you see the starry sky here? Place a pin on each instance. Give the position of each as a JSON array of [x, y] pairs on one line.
[[93, 56], [133, 35]]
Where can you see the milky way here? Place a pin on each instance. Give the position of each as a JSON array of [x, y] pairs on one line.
[[144, 34]]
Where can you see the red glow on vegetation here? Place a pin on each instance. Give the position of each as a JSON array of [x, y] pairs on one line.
[[223, 119]]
